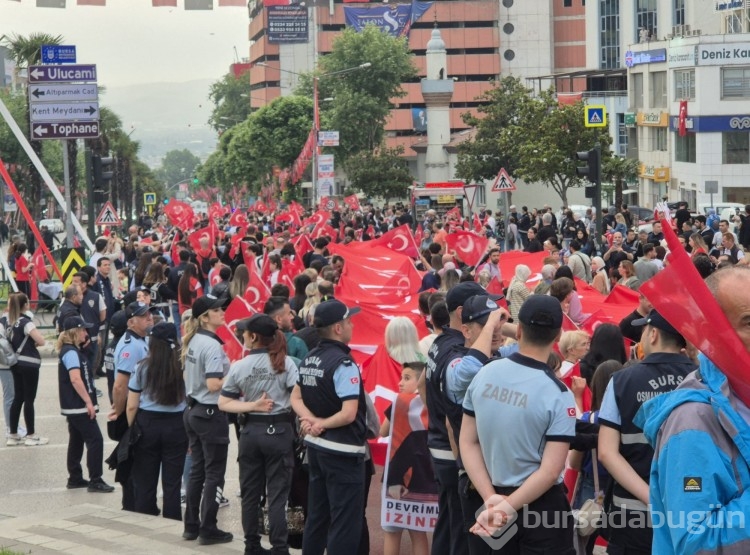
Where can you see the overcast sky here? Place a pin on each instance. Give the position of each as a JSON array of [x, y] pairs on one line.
[[131, 42]]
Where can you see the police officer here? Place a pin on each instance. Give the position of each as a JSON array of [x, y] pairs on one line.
[[330, 401], [131, 349], [206, 364], [93, 311], [519, 470], [623, 449], [78, 405], [450, 533], [156, 401], [265, 378], [118, 327]]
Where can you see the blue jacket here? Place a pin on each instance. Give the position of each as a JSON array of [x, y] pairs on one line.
[[701, 467]]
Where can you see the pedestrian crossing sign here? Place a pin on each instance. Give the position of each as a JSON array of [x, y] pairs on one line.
[[503, 183], [108, 216], [595, 116]]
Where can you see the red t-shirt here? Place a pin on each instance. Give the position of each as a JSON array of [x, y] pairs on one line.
[[187, 304], [22, 269]]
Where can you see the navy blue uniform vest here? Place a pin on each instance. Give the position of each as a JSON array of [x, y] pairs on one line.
[[70, 402], [440, 354]]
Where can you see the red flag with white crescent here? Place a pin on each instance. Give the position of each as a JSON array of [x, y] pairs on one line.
[[399, 239], [180, 214], [238, 219], [477, 224], [257, 291], [352, 202], [318, 218], [468, 246]]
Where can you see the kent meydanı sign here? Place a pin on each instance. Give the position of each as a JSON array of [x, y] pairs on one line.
[[723, 54]]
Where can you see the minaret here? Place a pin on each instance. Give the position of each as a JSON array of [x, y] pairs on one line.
[[437, 91]]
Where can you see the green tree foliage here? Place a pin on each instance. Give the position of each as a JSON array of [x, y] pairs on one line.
[[25, 52], [618, 171], [498, 130], [231, 98], [361, 98], [382, 174], [533, 137], [176, 166]]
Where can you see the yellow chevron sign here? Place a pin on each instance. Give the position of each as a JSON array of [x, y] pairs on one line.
[[73, 263]]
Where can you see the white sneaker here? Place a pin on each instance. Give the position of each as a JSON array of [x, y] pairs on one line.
[[35, 440], [21, 431], [13, 441]]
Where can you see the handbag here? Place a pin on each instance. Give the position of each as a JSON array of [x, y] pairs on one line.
[[295, 520], [589, 517]]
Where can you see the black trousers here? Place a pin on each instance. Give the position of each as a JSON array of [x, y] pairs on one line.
[[628, 540], [266, 463], [162, 447], [544, 527], [83, 430], [25, 382], [471, 503], [449, 536], [334, 516], [208, 436]]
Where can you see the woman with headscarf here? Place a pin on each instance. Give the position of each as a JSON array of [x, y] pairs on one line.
[[517, 290], [600, 281]]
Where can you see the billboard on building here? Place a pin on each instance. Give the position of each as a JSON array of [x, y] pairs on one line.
[[287, 24]]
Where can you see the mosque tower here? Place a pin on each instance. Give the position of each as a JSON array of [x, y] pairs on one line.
[[437, 91]]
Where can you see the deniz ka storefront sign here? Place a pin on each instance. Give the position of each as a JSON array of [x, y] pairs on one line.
[[712, 124], [723, 54], [645, 57]]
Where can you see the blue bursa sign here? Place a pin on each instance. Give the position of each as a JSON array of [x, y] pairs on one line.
[[645, 57], [58, 54]]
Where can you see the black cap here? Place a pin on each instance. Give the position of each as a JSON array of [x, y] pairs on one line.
[[477, 308], [119, 323], [656, 320], [459, 294], [206, 303], [332, 311], [261, 324], [165, 331], [137, 309], [74, 322], [541, 311]]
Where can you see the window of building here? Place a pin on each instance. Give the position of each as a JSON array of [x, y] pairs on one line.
[[684, 84], [735, 82], [658, 89], [637, 87], [679, 16], [733, 22], [622, 136], [645, 18], [481, 196], [735, 148], [660, 139], [684, 148], [609, 18]]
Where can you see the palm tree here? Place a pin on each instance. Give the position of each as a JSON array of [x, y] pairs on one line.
[[25, 52]]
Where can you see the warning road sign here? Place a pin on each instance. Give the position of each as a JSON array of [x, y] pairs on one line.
[[73, 261], [503, 183], [108, 216], [595, 116]]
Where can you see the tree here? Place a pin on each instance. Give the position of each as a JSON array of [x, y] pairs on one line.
[[176, 166], [385, 173], [361, 98], [500, 132], [618, 171], [555, 134], [231, 98], [25, 52]]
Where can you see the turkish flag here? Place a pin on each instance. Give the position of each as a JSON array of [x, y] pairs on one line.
[[236, 242], [238, 309], [257, 291], [398, 239], [575, 372], [318, 218], [260, 206], [477, 224], [238, 219], [296, 207], [352, 202], [180, 214], [290, 269], [418, 236], [682, 119], [468, 246], [376, 274], [534, 260], [302, 245], [324, 230], [215, 211], [204, 234], [680, 295], [380, 377]]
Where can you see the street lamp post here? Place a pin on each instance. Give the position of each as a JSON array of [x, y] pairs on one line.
[[316, 116]]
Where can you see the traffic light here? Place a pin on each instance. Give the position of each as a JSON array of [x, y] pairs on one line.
[[103, 170], [592, 171], [196, 181]]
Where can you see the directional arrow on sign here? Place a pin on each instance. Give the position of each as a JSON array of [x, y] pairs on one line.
[[70, 130], [64, 111], [63, 92]]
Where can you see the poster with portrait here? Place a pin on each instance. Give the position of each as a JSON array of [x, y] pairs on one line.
[[410, 492], [419, 119]]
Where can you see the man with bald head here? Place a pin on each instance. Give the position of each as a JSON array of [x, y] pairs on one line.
[[699, 433]]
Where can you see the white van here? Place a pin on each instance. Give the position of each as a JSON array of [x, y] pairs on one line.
[[55, 225]]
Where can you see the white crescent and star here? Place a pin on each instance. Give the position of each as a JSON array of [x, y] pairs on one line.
[[404, 242], [255, 291]]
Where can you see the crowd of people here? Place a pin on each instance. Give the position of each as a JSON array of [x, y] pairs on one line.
[[512, 399]]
